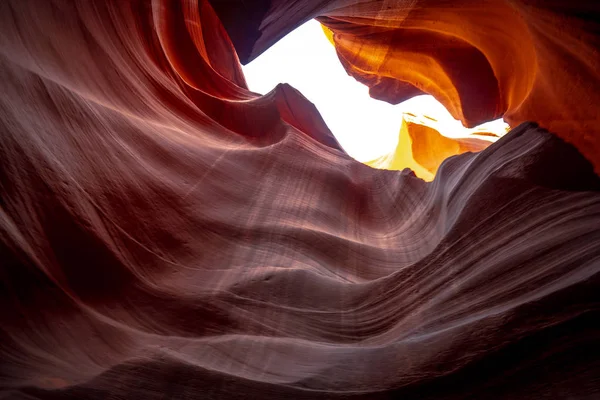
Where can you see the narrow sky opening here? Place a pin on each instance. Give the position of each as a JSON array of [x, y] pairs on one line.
[[366, 128]]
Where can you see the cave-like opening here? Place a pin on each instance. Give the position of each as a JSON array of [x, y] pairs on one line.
[[367, 129]]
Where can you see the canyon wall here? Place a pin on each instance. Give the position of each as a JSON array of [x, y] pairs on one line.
[[166, 233]]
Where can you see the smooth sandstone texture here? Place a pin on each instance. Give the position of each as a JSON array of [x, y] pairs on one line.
[[165, 233], [525, 60]]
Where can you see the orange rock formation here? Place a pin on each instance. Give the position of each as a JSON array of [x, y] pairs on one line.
[[166, 233], [526, 60], [422, 148]]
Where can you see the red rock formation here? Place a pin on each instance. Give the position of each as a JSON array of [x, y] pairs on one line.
[[531, 60], [165, 233]]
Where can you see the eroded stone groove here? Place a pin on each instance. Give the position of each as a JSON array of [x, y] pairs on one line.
[[165, 233]]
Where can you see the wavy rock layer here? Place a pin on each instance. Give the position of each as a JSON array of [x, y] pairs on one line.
[[533, 60], [165, 233]]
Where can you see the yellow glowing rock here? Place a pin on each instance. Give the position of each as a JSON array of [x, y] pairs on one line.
[[423, 149]]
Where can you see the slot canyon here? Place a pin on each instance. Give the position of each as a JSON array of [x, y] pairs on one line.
[[167, 233]]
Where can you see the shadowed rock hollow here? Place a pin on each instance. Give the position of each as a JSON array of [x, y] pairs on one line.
[[166, 233]]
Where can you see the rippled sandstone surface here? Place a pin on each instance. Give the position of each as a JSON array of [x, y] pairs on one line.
[[166, 233]]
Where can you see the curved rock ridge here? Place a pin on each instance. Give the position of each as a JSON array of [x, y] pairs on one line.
[[525, 60], [166, 233]]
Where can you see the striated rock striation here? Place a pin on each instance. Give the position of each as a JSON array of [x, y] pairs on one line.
[[166, 233]]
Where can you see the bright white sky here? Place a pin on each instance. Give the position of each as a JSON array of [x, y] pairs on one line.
[[365, 127]]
